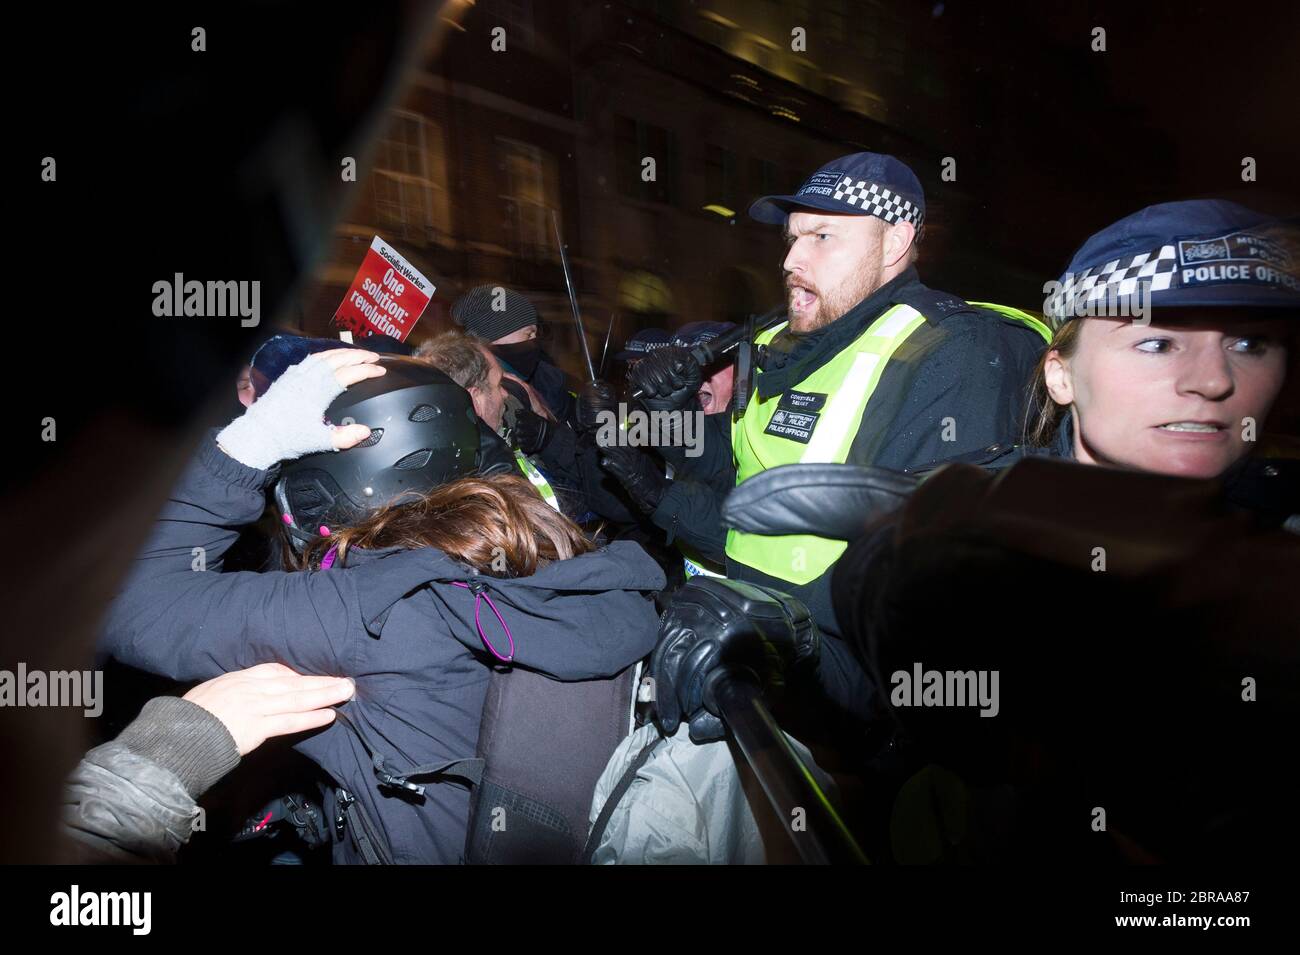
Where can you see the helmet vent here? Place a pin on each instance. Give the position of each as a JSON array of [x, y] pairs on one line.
[[425, 413], [371, 441], [416, 459], [306, 498]]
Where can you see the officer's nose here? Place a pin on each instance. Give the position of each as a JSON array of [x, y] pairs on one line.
[[1206, 370], [794, 258]]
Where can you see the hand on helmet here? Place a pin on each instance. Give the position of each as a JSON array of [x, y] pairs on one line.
[[289, 420]]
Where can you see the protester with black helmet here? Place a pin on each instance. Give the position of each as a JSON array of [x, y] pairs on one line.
[[419, 574]]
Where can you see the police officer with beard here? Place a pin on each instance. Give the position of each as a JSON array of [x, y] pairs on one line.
[[872, 367]]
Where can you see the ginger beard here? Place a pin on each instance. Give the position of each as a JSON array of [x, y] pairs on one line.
[[826, 277]]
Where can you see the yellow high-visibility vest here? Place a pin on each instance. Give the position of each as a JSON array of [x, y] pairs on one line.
[[537, 479], [815, 422]]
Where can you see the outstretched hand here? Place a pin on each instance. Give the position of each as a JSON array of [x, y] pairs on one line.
[[270, 700]]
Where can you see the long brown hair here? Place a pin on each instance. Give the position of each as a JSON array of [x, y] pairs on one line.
[[1045, 415], [499, 525]]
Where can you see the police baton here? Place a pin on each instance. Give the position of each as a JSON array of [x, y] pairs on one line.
[[573, 299], [793, 791], [609, 333]]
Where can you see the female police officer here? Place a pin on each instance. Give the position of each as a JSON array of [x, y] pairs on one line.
[[1171, 345], [1128, 612]]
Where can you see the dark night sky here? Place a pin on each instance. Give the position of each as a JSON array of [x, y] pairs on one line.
[[1183, 92], [1055, 140]]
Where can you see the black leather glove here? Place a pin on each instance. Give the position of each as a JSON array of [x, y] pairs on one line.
[[595, 397], [666, 378], [641, 474], [712, 624], [532, 431]]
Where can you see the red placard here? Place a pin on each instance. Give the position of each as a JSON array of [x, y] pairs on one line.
[[387, 297]]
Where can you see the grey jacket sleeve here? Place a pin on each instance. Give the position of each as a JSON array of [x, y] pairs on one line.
[[133, 800]]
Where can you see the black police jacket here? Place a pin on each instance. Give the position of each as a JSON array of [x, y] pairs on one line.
[[1266, 487], [965, 363]]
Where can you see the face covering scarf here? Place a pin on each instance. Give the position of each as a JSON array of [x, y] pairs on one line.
[[521, 356]]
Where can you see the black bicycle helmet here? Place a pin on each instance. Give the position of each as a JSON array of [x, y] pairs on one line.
[[423, 433]]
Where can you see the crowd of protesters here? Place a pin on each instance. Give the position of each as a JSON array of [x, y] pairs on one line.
[[410, 553]]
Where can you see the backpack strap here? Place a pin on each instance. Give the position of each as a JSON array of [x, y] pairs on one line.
[[350, 815], [607, 810], [546, 742]]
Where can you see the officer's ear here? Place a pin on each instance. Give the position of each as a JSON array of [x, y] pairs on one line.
[[898, 241], [1058, 379]]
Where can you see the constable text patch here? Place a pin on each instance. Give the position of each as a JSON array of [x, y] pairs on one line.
[[802, 401]]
